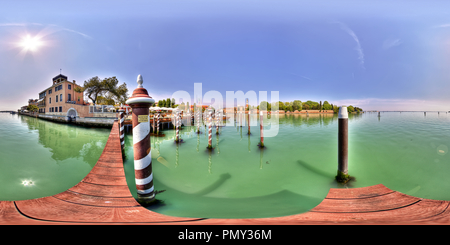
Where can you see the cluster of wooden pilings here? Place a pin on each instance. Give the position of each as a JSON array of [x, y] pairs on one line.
[[140, 103]]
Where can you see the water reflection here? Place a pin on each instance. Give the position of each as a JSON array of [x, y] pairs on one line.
[[297, 120], [50, 157], [69, 141]]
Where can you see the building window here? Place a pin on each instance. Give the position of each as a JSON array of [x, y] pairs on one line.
[[56, 98], [69, 97], [60, 97], [50, 100], [49, 91], [60, 109], [69, 87]]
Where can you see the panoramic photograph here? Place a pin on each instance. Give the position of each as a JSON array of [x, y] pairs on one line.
[[226, 112]]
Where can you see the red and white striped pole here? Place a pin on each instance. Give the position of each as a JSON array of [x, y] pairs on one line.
[[140, 102], [121, 127], [217, 121], [209, 131], [158, 114], [153, 122], [261, 143], [177, 123], [198, 122]]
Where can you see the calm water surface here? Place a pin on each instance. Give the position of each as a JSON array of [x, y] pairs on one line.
[[40, 158], [407, 152]]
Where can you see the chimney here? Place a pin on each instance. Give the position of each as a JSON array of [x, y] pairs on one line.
[[74, 82]]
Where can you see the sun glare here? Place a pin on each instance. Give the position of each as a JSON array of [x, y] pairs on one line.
[[31, 43]]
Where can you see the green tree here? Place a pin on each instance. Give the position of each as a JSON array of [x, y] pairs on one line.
[[350, 108], [281, 106], [297, 105], [335, 109], [32, 108], [326, 106], [264, 105], [107, 88], [105, 101], [312, 105]]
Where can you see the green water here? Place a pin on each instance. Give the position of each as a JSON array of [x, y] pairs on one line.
[[407, 152], [41, 158]]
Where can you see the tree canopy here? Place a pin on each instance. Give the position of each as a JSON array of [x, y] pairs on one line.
[[107, 88], [32, 108], [308, 105]]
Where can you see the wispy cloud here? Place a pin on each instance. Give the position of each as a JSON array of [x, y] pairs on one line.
[[73, 31], [442, 26], [19, 24], [389, 43], [58, 28], [358, 47], [307, 78]]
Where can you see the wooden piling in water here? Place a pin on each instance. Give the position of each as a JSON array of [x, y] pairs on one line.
[[121, 127], [342, 172], [261, 133], [209, 130]]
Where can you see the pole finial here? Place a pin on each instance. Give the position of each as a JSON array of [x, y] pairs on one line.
[[140, 81]]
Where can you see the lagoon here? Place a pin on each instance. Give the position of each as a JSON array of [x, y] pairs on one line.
[[42, 158], [407, 152]]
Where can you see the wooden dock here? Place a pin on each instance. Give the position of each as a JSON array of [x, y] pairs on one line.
[[103, 197]]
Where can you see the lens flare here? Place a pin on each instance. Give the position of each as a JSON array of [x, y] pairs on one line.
[[30, 43]]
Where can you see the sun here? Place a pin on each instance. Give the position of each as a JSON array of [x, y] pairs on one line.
[[30, 43]]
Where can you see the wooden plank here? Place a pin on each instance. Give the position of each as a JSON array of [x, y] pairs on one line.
[[10, 216], [105, 180], [110, 171], [362, 192], [100, 201], [53, 209], [370, 204], [101, 190]]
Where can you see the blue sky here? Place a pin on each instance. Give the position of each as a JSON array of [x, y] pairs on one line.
[[378, 55]]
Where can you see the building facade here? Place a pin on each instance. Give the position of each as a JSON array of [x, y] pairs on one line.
[[61, 97]]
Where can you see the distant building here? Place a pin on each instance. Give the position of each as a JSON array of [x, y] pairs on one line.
[[33, 102], [60, 97]]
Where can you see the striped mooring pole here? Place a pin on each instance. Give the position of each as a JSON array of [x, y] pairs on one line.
[[217, 121], [177, 123], [121, 126], [140, 102], [209, 130], [153, 122], [158, 114], [198, 122], [342, 172], [261, 143]]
